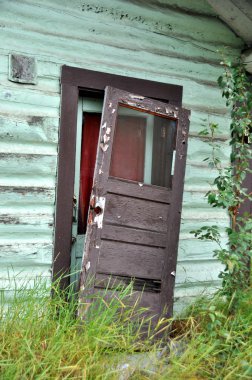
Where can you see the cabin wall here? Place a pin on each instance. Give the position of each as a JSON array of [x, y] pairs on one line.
[[166, 41]]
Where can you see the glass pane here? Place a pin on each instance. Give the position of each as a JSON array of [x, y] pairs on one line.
[[143, 147]]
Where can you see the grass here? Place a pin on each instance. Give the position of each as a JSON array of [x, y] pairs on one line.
[[219, 341], [41, 338]]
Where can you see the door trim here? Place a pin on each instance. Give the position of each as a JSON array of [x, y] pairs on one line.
[[76, 82]]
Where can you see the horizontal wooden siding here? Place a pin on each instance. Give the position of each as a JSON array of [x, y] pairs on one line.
[[166, 41]]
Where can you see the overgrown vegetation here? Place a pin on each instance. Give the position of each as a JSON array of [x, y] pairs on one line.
[[219, 343], [228, 188], [41, 338]]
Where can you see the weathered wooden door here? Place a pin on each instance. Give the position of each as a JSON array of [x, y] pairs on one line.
[[134, 213]]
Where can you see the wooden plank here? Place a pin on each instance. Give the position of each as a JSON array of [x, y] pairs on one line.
[[200, 120], [38, 226], [187, 225], [197, 289], [15, 255], [193, 249], [14, 109], [22, 179], [65, 189], [130, 188], [198, 150], [49, 68], [22, 147], [150, 302], [30, 238], [194, 6], [34, 129], [13, 196], [15, 249], [130, 260], [46, 85], [207, 213], [24, 277], [38, 164], [198, 272], [197, 178], [27, 96], [137, 214], [122, 16], [131, 235], [175, 211]]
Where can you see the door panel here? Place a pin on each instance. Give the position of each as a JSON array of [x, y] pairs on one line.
[[136, 213], [144, 299], [118, 258], [133, 235], [133, 222], [123, 187]]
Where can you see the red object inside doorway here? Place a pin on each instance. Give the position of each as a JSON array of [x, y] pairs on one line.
[[90, 135]]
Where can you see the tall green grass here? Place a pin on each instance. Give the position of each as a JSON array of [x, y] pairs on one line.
[[41, 337], [218, 341]]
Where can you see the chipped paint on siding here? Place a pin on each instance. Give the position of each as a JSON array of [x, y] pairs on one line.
[[166, 41]]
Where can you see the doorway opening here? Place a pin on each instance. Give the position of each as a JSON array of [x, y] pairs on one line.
[[71, 220]]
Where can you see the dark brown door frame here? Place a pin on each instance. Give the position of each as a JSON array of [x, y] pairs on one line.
[[74, 82]]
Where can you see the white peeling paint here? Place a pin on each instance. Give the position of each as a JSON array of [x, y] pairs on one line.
[[106, 138], [138, 97], [173, 162], [87, 267], [104, 147], [98, 219]]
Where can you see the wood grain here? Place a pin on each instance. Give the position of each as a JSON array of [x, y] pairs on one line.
[[130, 260], [130, 188], [136, 213], [132, 235]]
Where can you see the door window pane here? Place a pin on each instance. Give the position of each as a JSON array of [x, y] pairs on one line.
[[143, 147]]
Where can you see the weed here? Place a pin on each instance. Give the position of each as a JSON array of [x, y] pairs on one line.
[[41, 337]]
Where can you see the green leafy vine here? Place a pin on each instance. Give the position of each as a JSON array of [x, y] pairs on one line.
[[228, 191]]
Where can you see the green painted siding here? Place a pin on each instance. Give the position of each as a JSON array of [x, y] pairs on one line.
[[163, 40]]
